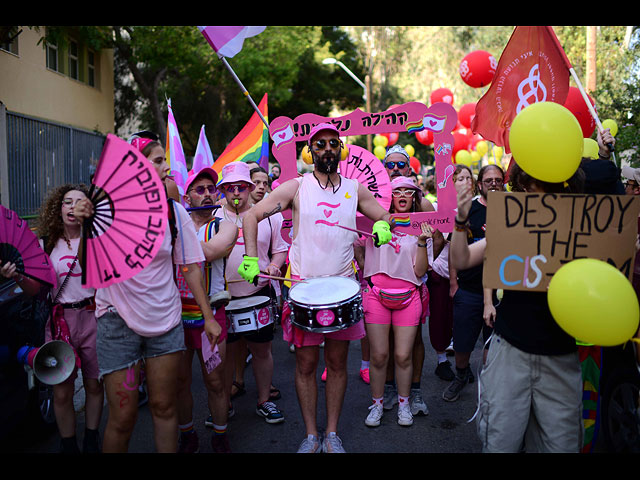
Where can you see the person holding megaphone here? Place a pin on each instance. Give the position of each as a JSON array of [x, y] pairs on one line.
[[60, 235]]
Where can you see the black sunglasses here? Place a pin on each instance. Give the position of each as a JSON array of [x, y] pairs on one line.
[[320, 144], [401, 164]]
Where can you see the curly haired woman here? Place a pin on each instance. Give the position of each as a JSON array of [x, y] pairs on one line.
[[60, 234]]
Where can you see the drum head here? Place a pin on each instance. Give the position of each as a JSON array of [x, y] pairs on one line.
[[249, 302], [324, 290]]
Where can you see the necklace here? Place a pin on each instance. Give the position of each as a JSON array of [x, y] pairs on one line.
[[325, 187]]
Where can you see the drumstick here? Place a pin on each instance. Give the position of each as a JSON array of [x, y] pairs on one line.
[[270, 277], [354, 230]]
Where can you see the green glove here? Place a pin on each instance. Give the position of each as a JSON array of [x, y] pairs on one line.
[[249, 269], [382, 233]]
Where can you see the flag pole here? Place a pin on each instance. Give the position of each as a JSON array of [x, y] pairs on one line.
[[580, 87], [244, 90]]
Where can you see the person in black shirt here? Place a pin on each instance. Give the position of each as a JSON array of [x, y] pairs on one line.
[[468, 298], [531, 383]]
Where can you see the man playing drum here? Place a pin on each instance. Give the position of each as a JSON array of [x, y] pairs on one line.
[[248, 315], [217, 239], [319, 200]]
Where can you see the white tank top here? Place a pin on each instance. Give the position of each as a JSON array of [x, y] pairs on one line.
[[320, 248]]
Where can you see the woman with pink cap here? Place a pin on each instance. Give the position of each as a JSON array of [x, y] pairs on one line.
[[394, 272]]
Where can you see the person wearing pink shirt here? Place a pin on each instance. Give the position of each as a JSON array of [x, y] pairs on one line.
[[237, 185], [318, 249], [140, 320], [60, 234], [394, 272]]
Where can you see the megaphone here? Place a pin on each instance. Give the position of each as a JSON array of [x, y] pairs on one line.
[[52, 363]]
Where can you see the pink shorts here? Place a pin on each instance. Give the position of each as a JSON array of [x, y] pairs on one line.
[[193, 336], [376, 312], [82, 331]]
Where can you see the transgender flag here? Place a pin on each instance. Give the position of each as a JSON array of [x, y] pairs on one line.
[[174, 152], [227, 41], [203, 157]]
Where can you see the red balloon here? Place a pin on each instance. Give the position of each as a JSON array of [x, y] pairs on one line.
[[460, 142], [415, 165], [425, 137], [478, 68], [575, 104], [441, 95], [391, 137], [466, 114]]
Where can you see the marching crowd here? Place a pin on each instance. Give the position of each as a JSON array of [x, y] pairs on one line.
[[227, 271]]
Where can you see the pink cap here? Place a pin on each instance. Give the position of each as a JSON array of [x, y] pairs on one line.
[[204, 171], [403, 182], [322, 126], [236, 172]]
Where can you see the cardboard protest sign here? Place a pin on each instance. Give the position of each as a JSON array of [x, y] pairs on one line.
[[531, 235]]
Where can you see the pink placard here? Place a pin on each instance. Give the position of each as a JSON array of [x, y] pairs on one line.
[[440, 118]]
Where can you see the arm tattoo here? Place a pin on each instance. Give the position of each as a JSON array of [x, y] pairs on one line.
[[277, 209]]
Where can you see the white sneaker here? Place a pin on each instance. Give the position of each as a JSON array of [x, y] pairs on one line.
[[404, 415], [375, 414]]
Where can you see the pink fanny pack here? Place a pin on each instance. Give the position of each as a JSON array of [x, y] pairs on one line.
[[394, 298]]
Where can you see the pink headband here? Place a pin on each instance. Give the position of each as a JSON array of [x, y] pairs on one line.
[[140, 143]]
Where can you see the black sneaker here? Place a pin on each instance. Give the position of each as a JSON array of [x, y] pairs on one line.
[[444, 371], [270, 412], [462, 377]]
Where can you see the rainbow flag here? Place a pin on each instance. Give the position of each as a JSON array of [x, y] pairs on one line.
[[402, 221], [250, 145]]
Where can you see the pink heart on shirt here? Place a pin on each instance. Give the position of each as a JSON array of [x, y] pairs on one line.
[[327, 213]]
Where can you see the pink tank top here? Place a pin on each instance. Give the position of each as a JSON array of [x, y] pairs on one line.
[[319, 247], [395, 260]]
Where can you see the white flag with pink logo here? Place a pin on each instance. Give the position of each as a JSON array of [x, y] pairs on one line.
[[175, 153], [203, 157], [228, 41]]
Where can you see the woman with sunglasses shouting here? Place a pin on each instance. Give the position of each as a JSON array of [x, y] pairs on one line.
[[393, 303], [397, 163]]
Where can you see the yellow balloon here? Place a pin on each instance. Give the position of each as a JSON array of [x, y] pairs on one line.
[[482, 147], [546, 141], [380, 141], [475, 156], [611, 125], [306, 155], [463, 157], [594, 302], [590, 149], [379, 151], [410, 150], [497, 152]]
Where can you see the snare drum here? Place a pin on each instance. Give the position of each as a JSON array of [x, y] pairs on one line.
[[249, 314], [325, 304]]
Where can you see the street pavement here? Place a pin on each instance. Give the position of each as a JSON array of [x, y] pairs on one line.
[[446, 429]]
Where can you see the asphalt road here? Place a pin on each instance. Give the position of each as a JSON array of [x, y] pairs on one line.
[[445, 430]]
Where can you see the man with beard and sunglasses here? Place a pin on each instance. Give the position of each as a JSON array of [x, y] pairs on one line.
[[469, 299], [319, 200]]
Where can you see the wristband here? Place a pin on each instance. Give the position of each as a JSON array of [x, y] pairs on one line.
[[421, 244]]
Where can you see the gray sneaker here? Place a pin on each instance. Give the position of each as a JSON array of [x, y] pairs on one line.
[[418, 407], [332, 444], [311, 444], [452, 393], [390, 397]]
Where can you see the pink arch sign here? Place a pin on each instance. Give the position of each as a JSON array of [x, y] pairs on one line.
[[440, 118]]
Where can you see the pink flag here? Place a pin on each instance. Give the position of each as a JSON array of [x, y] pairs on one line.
[[175, 153], [227, 41], [203, 157]]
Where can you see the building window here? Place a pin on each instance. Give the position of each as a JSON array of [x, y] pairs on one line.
[[9, 42], [91, 68], [73, 59], [52, 56]]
